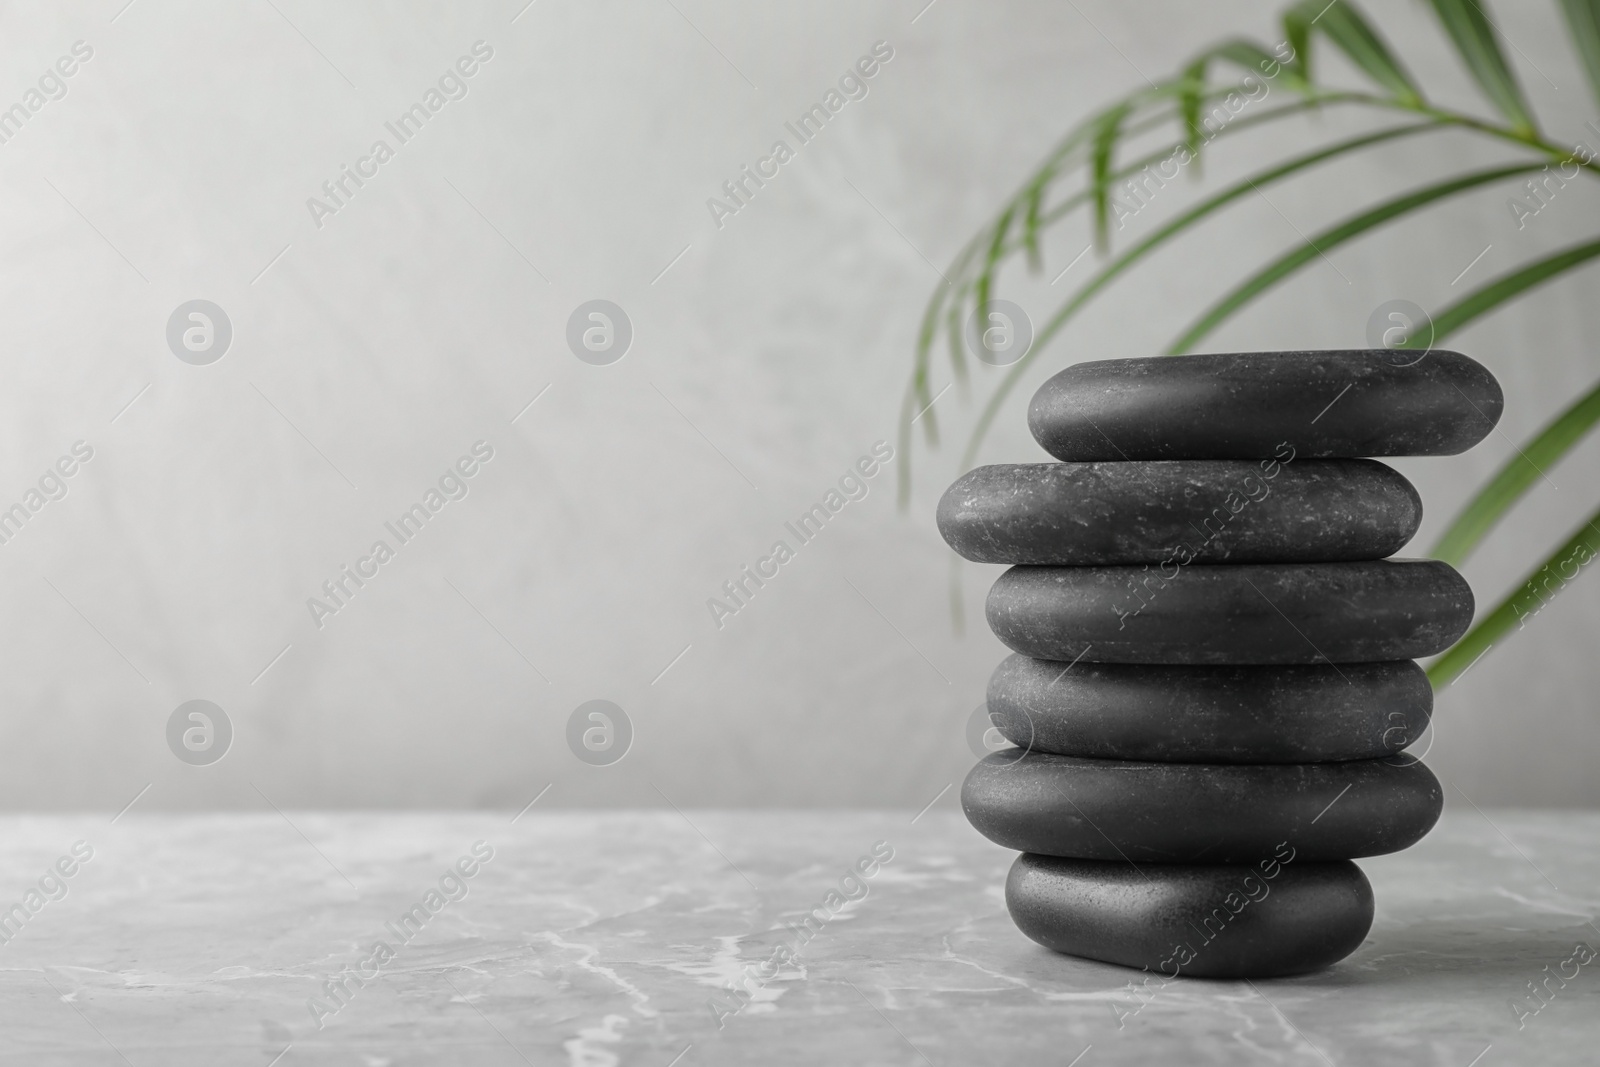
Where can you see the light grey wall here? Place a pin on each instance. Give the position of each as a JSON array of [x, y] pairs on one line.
[[371, 352]]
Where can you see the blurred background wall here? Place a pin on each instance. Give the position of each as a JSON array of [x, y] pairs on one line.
[[373, 345]]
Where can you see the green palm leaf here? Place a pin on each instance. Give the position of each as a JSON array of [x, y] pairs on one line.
[[1030, 223], [1177, 226], [1319, 244], [1297, 22], [1030, 201], [1497, 292], [1249, 56], [1583, 18], [1350, 32], [1096, 143], [1537, 590], [1238, 125], [1514, 479], [1105, 144], [1191, 93], [1490, 504], [944, 308], [1474, 35]]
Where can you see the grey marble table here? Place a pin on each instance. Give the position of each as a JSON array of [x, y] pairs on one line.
[[602, 938]]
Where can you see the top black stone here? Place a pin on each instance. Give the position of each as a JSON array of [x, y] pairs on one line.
[[1356, 403]]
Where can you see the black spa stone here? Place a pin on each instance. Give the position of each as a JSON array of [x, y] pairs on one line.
[[1223, 511], [1263, 613], [1279, 916], [1253, 405], [1146, 812], [1292, 714]]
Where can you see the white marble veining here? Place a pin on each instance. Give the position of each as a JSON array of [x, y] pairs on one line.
[[596, 939]]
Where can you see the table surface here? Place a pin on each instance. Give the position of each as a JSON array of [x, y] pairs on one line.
[[601, 938]]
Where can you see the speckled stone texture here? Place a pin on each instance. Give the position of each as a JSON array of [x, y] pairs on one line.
[[1246, 405], [1266, 613], [1212, 511], [1145, 812], [1294, 714], [1279, 916]]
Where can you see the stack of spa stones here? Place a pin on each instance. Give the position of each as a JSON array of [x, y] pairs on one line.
[[1214, 670]]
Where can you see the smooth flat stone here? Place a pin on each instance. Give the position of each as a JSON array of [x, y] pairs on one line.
[[1145, 812], [1265, 920], [1211, 510], [1251, 405], [1263, 613], [1293, 714]]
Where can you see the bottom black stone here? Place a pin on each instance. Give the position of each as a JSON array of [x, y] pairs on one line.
[[1278, 917]]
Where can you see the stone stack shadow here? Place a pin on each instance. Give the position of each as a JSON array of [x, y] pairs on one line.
[[1214, 675]]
